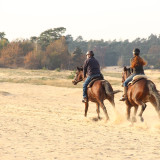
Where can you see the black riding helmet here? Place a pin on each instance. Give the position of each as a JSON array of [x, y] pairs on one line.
[[90, 52], [136, 51]]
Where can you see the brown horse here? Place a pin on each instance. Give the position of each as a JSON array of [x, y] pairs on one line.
[[97, 93], [140, 93]]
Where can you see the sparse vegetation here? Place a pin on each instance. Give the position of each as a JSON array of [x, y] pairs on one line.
[[72, 75], [60, 79], [38, 77], [114, 74]]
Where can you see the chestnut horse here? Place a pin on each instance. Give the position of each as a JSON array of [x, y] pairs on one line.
[[97, 93], [140, 93]]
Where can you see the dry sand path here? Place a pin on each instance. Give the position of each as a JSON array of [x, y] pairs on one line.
[[39, 122]]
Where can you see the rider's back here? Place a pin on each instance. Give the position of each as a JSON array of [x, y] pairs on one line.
[[92, 66], [137, 64]]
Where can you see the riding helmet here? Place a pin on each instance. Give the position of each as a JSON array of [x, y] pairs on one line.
[[90, 52], [136, 51]]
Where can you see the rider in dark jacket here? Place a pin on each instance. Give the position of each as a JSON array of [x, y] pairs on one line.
[[91, 69]]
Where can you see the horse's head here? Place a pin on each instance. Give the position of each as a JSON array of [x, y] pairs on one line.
[[79, 75], [125, 74]]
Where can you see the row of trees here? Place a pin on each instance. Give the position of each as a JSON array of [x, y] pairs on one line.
[[53, 50], [49, 50]]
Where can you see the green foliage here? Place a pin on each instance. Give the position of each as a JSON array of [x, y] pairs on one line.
[[57, 55], [2, 35], [49, 36], [77, 51], [26, 46], [58, 69], [34, 39], [72, 75], [3, 43], [44, 68]]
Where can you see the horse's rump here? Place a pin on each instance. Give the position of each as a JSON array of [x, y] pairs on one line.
[[138, 88]]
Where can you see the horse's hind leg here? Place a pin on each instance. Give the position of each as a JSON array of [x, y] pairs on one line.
[[128, 110], [135, 112], [98, 110], [86, 108], [104, 110], [142, 110]]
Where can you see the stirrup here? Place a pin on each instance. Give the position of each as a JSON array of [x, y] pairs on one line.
[[84, 100]]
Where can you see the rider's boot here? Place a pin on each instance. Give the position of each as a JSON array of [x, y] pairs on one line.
[[124, 97], [84, 100]]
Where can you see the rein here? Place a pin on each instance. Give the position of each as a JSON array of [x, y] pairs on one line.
[[78, 80], [128, 73], [81, 78]]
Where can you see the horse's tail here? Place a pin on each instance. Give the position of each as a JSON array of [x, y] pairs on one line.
[[109, 89], [117, 91], [155, 93]]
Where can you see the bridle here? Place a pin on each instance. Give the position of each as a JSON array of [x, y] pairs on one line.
[[123, 79], [77, 81]]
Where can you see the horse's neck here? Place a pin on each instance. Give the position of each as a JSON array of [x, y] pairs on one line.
[[128, 73]]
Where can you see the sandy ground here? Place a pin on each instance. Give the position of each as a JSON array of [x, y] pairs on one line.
[[39, 122]]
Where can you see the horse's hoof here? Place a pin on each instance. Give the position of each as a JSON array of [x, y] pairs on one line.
[[107, 119], [134, 119], [99, 118], [95, 119], [142, 119]]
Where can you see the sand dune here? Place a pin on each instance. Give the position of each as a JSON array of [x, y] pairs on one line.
[[40, 122]]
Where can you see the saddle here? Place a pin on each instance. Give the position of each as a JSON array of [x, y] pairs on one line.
[[136, 79], [95, 79]]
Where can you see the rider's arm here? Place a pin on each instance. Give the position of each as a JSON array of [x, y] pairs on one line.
[[85, 68], [131, 69]]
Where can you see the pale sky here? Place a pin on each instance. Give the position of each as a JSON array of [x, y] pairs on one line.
[[92, 19]]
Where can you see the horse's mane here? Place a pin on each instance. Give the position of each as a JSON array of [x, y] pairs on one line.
[[80, 68]]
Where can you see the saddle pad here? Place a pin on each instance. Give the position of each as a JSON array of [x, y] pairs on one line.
[[136, 78], [91, 83], [139, 77]]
